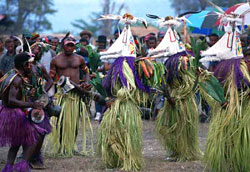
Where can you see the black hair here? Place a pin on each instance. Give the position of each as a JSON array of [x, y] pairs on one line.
[[214, 34], [9, 41], [152, 38], [21, 59], [84, 40], [202, 37]]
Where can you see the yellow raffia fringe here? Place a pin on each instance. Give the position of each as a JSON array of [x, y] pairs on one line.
[[120, 134], [62, 140], [119, 137]]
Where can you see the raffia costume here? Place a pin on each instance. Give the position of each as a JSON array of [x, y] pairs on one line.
[[177, 121], [120, 133], [65, 128], [228, 142], [177, 124], [73, 115]]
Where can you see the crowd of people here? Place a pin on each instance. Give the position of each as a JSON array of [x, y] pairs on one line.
[[61, 70]]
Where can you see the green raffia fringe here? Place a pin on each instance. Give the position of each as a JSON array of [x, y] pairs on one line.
[[177, 126], [62, 140], [228, 142], [119, 137], [177, 129]]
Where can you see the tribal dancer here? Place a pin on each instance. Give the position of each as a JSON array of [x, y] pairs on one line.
[[74, 113], [177, 121], [15, 128], [228, 143], [120, 132]]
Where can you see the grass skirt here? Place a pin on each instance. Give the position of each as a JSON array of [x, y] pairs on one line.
[[228, 142], [177, 125], [16, 129], [120, 134], [62, 140], [177, 129]]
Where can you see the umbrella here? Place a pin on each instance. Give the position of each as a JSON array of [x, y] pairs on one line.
[[204, 19], [205, 31], [240, 9], [204, 23]]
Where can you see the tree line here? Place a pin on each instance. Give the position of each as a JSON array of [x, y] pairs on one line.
[[31, 15]]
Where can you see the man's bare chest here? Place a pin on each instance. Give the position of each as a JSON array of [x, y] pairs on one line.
[[64, 64]]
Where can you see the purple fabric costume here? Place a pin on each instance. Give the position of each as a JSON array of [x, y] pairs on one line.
[[22, 166], [8, 168], [45, 124], [16, 129]]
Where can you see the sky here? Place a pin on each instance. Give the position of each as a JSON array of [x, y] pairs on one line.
[[70, 10]]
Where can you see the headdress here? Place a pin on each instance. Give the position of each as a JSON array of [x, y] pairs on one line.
[[124, 52], [124, 46], [171, 43]]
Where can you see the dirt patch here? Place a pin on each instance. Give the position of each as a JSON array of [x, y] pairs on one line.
[[152, 151]]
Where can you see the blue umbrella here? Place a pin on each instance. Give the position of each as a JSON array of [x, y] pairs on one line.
[[204, 22], [204, 19]]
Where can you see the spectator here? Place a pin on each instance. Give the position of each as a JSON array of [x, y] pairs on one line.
[[47, 55], [84, 41], [101, 46], [101, 43], [151, 42], [7, 61], [2, 49], [213, 38], [116, 35], [87, 35], [54, 44], [16, 41], [82, 51], [160, 37]]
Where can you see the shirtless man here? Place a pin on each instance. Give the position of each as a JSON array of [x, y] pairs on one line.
[[68, 64], [15, 129]]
